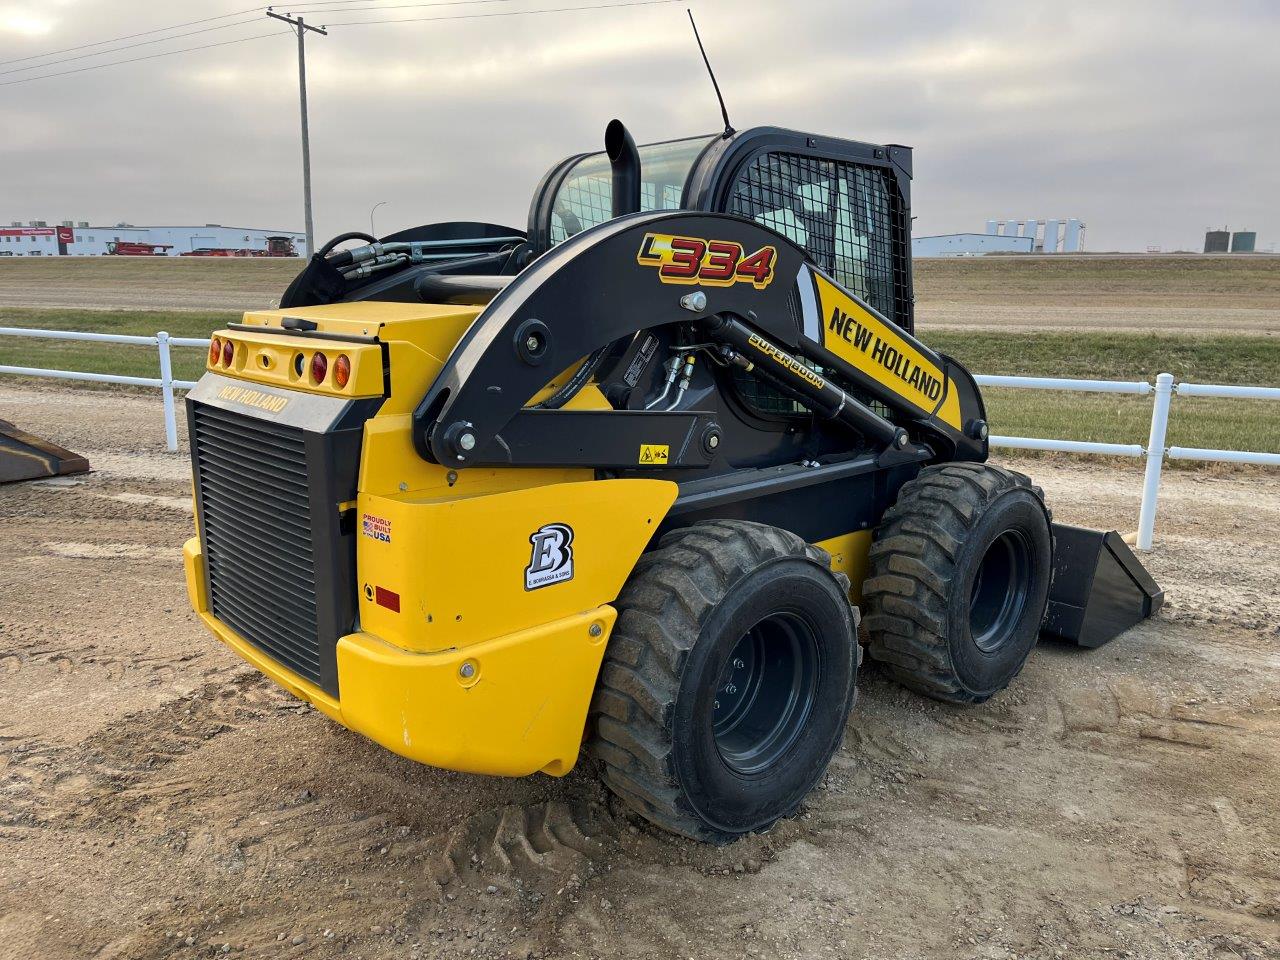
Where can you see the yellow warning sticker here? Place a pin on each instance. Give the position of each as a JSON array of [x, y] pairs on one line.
[[656, 454]]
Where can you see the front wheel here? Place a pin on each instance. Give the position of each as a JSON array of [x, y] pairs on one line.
[[728, 679], [958, 580]]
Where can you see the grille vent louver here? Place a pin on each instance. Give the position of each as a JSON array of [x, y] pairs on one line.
[[255, 507]]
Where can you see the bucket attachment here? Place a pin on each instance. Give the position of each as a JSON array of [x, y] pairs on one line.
[[27, 457], [1100, 589]]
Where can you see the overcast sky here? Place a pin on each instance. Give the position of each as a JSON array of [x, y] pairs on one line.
[[1151, 121]]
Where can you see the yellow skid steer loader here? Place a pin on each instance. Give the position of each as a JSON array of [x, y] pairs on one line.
[[627, 481]]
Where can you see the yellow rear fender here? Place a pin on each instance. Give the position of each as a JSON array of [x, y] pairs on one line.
[[438, 572]]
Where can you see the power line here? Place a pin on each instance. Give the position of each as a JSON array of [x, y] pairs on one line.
[[347, 5], [130, 36], [128, 46], [260, 36], [315, 5], [153, 56], [332, 3], [502, 13]]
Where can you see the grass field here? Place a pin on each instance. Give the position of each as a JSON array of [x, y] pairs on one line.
[[1196, 422], [131, 361], [1238, 294], [1124, 418]]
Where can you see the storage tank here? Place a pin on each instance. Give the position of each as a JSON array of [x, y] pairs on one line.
[[1244, 241], [1217, 241]]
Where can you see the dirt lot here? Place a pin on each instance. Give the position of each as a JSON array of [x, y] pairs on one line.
[[1172, 294], [1239, 294], [159, 799]]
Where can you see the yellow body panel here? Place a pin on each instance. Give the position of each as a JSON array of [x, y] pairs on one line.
[[458, 563], [866, 342], [849, 556], [521, 710]]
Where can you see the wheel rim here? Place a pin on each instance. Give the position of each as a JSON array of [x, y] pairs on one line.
[[999, 593], [765, 693]]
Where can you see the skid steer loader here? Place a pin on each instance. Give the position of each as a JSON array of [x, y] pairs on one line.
[[627, 481]]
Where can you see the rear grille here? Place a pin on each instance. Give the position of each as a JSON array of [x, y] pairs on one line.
[[256, 526]]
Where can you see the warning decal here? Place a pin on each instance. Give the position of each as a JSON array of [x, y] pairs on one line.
[[654, 454]]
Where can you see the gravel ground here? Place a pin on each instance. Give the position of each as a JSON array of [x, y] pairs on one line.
[[159, 799]]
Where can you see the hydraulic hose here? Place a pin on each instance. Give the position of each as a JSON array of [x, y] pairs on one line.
[[343, 238]]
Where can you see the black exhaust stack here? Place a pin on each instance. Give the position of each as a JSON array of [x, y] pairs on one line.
[[625, 160]]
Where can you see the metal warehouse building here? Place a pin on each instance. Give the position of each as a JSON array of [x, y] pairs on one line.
[[37, 239], [968, 245]]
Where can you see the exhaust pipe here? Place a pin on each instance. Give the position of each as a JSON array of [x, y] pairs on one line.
[[624, 158]]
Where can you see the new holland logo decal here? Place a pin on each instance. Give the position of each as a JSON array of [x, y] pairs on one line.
[[712, 263], [254, 398]]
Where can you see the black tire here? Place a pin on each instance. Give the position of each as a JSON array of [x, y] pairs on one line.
[[712, 600], [958, 579]]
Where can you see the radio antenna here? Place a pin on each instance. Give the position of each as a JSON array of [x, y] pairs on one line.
[[724, 112]]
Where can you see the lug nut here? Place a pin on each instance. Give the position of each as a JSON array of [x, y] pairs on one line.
[[467, 670], [595, 630]]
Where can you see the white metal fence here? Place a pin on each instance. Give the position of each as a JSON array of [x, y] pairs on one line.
[[1155, 450]]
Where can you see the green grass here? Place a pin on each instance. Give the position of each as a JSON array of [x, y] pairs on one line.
[[125, 359], [1121, 418], [1114, 418]]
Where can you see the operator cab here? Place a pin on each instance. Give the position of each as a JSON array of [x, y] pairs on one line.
[[847, 203]]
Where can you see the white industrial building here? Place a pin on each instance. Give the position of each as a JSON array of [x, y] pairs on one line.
[[1064, 235], [1006, 236], [79, 239], [968, 245]]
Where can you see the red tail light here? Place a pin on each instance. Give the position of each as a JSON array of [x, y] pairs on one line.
[[341, 370], [228, 353], [215, 351], [319, 367]]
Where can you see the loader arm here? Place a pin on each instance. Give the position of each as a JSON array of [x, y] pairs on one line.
[[746, 288]]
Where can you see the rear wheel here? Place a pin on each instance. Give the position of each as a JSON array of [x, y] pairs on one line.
[[958, 580], [727, 681]]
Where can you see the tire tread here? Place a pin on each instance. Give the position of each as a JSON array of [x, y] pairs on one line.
[[916, 545], [662, 609]]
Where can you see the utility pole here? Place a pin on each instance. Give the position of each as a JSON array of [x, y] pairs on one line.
[[302, 27]]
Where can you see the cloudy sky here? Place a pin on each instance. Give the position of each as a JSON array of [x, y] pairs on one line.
[[1151, 121]]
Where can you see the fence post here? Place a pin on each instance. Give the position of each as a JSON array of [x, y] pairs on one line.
[[1155, 460], [166, 389]]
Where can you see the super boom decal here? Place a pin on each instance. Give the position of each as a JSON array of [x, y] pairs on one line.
[[712, 263], [857, 336]]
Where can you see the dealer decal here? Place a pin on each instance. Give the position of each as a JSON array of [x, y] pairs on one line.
[[551, 559], [712, 263]]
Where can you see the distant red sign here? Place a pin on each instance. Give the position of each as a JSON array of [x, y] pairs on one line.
[[27, 232], [66, 235]]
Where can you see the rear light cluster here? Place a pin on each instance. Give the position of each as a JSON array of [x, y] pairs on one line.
[[319, 368], [221, 350]]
